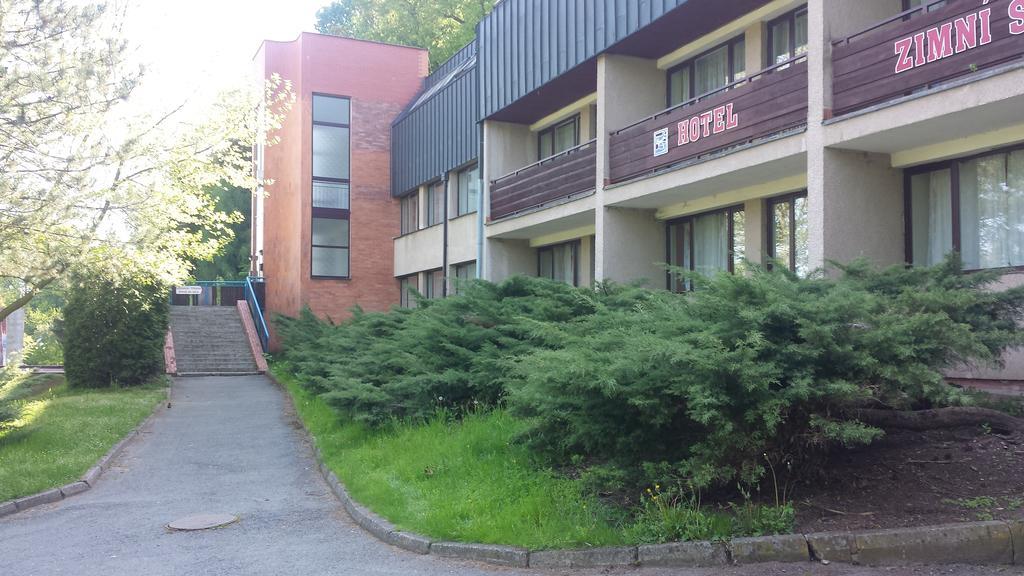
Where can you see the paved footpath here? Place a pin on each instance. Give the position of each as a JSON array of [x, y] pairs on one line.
[[231, 445]]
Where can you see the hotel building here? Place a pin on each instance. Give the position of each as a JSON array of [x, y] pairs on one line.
[[599, 139]]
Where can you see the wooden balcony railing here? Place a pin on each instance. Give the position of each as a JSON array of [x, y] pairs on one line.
[[769, 102], [921, 48], [561, 176]]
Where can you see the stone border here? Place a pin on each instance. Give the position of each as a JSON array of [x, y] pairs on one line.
[[991, 542], [250, 335], [91, 476]]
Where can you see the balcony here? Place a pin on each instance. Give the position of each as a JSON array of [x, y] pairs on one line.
[[919, 49], [770, 102], [562, 176]]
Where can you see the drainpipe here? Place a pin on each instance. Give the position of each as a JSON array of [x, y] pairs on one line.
[[480, 206], [444, 252]]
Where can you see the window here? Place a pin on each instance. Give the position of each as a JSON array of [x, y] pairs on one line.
[[558, 138], [559, 262], [787, 37], [974, 206], [708, 72], [908, 4], [410, 213], [434, 285], [464, 274], [435, 203], [331, 186], [707, 244], [469, 190], [787, 232], [406, 285]]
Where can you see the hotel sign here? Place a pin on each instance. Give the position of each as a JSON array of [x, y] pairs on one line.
[[695, 128], [962, 34]]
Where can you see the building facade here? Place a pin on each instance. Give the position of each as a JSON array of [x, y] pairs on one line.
[[600, 139], [323, 229]]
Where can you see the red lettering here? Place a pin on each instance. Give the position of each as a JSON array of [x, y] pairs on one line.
[[985, 16], [904, 61], [967, 32], [705, 122], [694, 129], [919, 52], [684, 132], [940, 42], [731, 119], [1016, 12], [719, 120]]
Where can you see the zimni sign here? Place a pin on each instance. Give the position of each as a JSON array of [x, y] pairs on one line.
[[962, 34]]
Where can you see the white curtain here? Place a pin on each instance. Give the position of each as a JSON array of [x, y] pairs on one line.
[[711, 71], [992, 211], [711, 243], [940, 216]]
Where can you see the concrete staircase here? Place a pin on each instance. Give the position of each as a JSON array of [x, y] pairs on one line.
[[210, 340]]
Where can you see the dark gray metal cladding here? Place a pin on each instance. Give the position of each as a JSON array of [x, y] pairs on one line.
[[438, 132], [525, 44]]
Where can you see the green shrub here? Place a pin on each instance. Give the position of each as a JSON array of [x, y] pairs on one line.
[[115, 324], [758, 369], [452, 354]]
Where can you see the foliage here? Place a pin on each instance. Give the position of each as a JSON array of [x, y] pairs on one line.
[[455, 480], [752, 374], [44, 328], [440, 26], [456, 353], [62, 432], [759, 369], [115, 326], [671, 516], [231, 262], [86, 181]]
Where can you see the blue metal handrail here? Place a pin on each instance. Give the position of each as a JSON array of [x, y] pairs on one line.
[[257, 312]]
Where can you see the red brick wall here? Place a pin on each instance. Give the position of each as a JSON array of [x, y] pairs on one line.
[[380, 80]]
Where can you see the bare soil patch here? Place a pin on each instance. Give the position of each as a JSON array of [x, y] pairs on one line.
[[912, 478]]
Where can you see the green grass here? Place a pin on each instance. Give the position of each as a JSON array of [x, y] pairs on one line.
[[463, 481], [60, 432]]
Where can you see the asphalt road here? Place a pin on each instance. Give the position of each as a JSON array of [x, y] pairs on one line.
[[230, 445]]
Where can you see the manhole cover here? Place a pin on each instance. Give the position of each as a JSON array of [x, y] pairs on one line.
[[202, 521]]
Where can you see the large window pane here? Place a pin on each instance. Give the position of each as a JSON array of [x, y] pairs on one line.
[[801, 233], [435, 204], [801, 34], [992, 211], [565, 137], [679, 253], [410, 213], [711, 243], [469, 189], [330, 152], [679, 86], [330, 232], [330, 109], [780, 34], [932, 217], [330, 195], [330, 261], [739, 60], [558, 262], [405, 286], [739, 240], [711, 71]]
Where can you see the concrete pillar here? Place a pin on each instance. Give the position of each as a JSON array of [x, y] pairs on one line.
[[843, 204], [755, 231], [863, 208], [507, 258], [628, 243], [753, 40]]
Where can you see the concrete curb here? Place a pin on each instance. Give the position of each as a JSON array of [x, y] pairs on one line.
[[88, 480], [993, 542]]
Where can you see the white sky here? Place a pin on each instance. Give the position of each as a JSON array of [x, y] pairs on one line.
[[195, 48]]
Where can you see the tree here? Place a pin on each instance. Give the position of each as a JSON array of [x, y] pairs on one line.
[[440, 26], [83, 181], [232, 261]]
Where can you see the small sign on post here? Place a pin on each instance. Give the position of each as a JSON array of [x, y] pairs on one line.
[[188, 290]]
